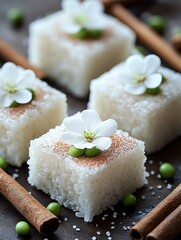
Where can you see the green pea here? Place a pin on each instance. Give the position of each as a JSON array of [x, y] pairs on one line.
[[76, 152], [54, 208], [81, 34], [153, 91], [22, 228], [14, 104], [167, 170], [95, 33], [92, 152], [157, 23], [33, 92], [129, 200], [15, 16], [3, 163]]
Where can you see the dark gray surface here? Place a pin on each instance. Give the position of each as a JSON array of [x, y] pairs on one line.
[[9, 216]]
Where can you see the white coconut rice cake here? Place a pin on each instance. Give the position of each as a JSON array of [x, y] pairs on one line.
[[86, 185], [154, 119], [19, 125], [73, 62]]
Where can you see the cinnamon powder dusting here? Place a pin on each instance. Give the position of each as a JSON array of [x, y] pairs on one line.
[[120, 145]]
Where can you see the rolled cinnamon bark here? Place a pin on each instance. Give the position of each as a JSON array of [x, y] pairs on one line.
[[169, 228], [148, 36], [10, 54], [39, 216], [157, 215]]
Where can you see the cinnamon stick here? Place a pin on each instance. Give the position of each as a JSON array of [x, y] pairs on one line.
[[157, 215], [10, 54], [169, 228], [42, 219], [147, 36]]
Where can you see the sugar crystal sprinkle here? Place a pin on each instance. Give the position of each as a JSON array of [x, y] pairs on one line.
[[108, 234]]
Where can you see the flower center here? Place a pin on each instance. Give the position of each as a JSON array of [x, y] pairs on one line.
[[10, 88], [89, 135], [80, 18], [139, 78]]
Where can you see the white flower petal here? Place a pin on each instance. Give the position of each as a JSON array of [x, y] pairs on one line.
[[151, 64], [70, 5], [93, 6], [70, 26], [153, 81], [102, 143], [90, 119], [26, 79], [134, 64], [71, 138], [10, 72], [74, 124], [84, 144], [136, 89], [22, 96], [106, 128], [125, 77], [95, 22], [6, 100]]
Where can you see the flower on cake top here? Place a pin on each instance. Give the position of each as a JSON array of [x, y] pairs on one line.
[[83, 19], [141, 74], [15, 85], [86, 130]]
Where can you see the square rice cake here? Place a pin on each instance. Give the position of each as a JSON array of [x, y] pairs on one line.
[[154, 119], [19, 125], [87, 185], [73, 63]]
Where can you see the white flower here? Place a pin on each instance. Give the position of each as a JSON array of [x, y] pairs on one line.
[[141, 73], [78, 15], [14, 84], [86, 130]]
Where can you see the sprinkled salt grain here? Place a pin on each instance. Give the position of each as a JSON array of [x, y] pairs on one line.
[[16, 170], [151, 187], [140, 212], [15, 175], [109, 238], [45, 238], [169, 186], [159, 187], [105, 215], [115, 215], [124, 228], [94, 238], [77, 229], [159, 197], [112, 223], [74, 226], [159, 176], [29, 193], [103, 218], [150, 161], [97, 225], [112, 227], [143, 197], [152, 173], [65, 219], [133, 223], [76, 239], [160, 162], [123, 213], [128, 227], [108, 234], [153, 193], [98, 233], [112, 208]]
